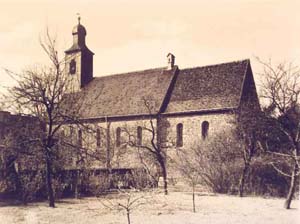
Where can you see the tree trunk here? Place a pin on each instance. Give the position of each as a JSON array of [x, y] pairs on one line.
[[76, 184], [160, 156], [164, 173], [194, 205], [49, 180], [242, 179], [292, 189], [128, 217]]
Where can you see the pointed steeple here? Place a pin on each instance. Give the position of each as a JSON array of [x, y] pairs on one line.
[[79, 34], [79, 59]]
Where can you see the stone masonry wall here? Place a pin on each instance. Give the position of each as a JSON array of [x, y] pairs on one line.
[[219, 124], [122, 156], [126, 156]]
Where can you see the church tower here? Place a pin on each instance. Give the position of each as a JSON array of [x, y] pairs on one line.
[[79, 59]]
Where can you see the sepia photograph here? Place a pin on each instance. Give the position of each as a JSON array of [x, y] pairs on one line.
[[149, 112]]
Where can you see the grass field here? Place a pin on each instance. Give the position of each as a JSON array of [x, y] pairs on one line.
[[176, 208]]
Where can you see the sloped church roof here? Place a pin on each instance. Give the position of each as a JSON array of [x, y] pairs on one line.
[[194, 89], [209, 87], [125, 94]]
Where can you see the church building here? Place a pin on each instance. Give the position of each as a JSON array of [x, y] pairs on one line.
[[184, 107]]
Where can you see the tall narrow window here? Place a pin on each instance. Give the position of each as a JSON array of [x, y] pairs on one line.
[[98, 138], [139, 135], [71, 132], [72, 70], [118, 137], [63, 133], [79, 138], [205, 127], [179, 130]]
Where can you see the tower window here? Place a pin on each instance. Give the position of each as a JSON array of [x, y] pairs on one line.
[[179, 131], [118, 137], [205, 127], [98, 138], [139, 135], [72, 67]]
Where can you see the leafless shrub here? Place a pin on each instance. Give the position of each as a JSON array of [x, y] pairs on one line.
[[215, 163], [128, 201]]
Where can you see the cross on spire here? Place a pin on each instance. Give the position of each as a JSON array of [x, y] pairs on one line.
[[78, 17]]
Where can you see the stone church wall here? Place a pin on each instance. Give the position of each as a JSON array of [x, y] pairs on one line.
[[122, 156], [192, 129], [219, 124], [128, 157]]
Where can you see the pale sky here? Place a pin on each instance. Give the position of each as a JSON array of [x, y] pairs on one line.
[[128, 35]]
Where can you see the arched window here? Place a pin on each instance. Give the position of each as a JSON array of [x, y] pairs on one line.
[[72, 67], [79, 138], [205, 127], [118, 137], [179, 139], [63, 133], [98, 138], [71, 132], [139, 135]]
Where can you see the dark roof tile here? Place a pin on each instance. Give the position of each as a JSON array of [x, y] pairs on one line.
[[210, 87], [124, 94]]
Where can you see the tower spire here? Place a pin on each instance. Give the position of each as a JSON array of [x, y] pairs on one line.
[[79, 58]]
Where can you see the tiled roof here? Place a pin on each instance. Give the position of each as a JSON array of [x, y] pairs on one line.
[[124, 94], [196, 89], [207, 88]]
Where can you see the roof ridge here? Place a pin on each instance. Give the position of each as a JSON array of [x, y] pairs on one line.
[[127, 73], [219, 64], [158, 68]]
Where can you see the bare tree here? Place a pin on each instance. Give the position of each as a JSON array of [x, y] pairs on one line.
[[153, 147], [127, 201], [42, 92], [187, 164], [248, 151], [247, 132], [281, 92]]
